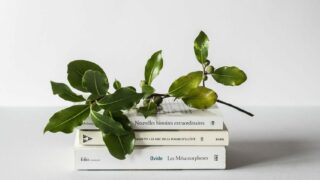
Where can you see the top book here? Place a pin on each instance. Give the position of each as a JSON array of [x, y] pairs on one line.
[[173, 115]]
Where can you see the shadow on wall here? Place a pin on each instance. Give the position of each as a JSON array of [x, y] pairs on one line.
[[266, 152]]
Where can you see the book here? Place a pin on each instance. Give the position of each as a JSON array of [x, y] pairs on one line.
[[171, 138], [173, 115], [151, 157]]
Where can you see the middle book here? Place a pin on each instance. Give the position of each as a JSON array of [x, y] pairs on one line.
[[171, 138]]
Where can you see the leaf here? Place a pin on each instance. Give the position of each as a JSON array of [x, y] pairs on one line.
[[95, 107], [158, 100], [93, 97], [229, 76], [76, 70], [153, 67], [95, 82], [107, 124], [184, 84], [121, 118], [147, 90], [150, 109], [122, 99], [201, 45], [119, 146], [67, 119], [200, 98], [130, 87], [65, 92], [116, 85]]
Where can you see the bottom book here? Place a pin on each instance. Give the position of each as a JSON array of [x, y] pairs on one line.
[[152, 157]]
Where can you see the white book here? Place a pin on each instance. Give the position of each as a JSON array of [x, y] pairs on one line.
[[173, 115], [169, 138], [152, 157]]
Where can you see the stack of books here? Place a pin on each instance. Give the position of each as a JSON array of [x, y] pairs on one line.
[[177, 138]]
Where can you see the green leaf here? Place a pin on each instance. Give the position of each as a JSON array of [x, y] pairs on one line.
[[121, 118], [116, 84], [131, 87], [200, 98], [121, 99], [67, 119], [95, 107], [142, 83], [65, 92], [158, 100], [93, 97], [119, 146], [229, 76], [76, 70], [147, 90], [153, 67], [184, 84], [106, 123], [201, 45], [95, 82], [150, 109]]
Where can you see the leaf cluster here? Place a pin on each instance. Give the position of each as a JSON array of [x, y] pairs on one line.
[[107, 107]]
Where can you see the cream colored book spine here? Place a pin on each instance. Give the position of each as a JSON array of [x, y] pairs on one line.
[[169, 138]]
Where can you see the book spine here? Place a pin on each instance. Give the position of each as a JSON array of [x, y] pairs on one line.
[[177, 123], [152, 157], [173, 138]]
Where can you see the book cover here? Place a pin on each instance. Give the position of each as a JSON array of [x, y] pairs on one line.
[[171, 138], [152, 157], [173, 115]]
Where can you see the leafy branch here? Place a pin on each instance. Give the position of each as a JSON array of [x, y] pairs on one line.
[[106, 107]]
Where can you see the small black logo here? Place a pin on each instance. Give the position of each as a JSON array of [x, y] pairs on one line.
[[84, 159], [216, 157], [86, 138]]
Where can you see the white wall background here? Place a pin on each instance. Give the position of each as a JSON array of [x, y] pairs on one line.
[[277, 42]]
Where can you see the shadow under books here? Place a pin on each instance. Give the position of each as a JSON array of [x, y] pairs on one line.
[[254, 152]]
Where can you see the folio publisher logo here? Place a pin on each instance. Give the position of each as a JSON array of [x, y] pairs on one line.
[[86, 138], [84, 159]]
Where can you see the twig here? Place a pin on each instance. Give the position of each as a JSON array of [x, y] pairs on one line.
[[235, 107]]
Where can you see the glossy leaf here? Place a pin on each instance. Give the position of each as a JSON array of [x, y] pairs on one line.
[[65, 92], [93, 97], [95, 107], [183, 85], [67, 119], [106, 123], [116, 85], [122, 99], [121, 118], [150, 109], [131, 87], [147, 90], [201, 45], [158, 100], [229, 76], [153, 67], [76, 70], [119, 146], [200, 98], [95, 82]]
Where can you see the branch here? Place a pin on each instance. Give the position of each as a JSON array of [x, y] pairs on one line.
[[158, 94], [235, 107], [204, 74], [219, 101]]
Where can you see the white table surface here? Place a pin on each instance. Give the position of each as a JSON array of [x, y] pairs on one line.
[[278, 143]]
